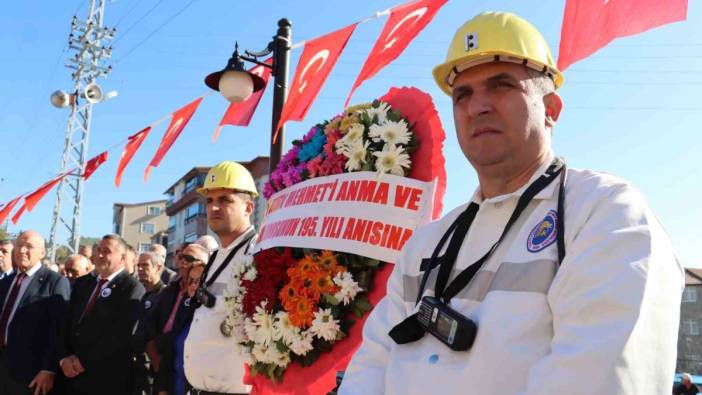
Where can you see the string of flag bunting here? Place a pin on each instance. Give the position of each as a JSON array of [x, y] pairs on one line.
[[587, 26]]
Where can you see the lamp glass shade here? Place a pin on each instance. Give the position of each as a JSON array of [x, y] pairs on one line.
[[236, 86]]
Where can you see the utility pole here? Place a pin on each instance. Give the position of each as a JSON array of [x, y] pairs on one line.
[[89, 47]]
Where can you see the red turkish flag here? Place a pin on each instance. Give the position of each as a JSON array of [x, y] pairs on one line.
[[316, 62], [6, 209], [239, 114], [33, 198], [589, 25], [133, 144], [178, 122], [93, 164], [403, 25], [18, 214]]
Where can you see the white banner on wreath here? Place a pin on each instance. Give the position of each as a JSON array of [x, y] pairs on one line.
[[359, 213]]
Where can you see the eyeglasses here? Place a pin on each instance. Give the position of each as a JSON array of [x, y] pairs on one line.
[[188, 258]]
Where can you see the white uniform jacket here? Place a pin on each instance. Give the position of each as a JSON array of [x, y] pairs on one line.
[[604, 322], [212, 361]]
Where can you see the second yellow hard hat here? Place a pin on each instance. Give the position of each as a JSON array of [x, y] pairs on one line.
[[229, 175]]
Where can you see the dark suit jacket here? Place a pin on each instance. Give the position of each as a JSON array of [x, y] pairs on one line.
[[167, 347], [102, 339], [33, 334]]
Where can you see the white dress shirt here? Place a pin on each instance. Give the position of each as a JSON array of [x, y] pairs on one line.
[[212, 361]]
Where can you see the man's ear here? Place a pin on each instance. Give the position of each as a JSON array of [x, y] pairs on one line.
[[553, 105], [250, 207]]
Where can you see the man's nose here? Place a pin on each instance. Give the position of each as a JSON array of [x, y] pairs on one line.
[[479, 104]]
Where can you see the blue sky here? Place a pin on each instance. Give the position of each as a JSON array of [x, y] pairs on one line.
[[631, 110]]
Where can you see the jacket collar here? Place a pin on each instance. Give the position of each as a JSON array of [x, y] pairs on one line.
[[546, 193]]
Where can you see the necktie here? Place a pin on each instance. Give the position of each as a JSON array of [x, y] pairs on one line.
[[93, 298], [169, 324], [9, 305]]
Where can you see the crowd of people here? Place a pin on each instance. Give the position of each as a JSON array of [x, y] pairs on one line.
[[110, 320], [131, 334]]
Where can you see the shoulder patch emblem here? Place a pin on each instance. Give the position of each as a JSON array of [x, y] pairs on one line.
[[544, 233]]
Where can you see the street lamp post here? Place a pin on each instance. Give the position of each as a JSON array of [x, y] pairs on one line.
[[236, 84]]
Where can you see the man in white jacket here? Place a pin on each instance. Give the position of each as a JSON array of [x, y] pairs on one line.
[[578, 289]]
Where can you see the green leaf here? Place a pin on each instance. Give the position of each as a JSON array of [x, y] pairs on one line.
[[280, 345], [362, 304], [270, 370], [374, 263], [330, 299]]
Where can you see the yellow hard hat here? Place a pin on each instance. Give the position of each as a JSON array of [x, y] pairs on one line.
[[230, 175], [496, 36]]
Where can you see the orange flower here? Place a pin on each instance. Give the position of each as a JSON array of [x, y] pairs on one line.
[[288, 295], [328, 262], [302, 314], [323, 283], [307, 287]]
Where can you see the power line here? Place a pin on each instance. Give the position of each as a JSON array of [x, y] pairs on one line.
[[161, 26], [133, 4], [137, 22]]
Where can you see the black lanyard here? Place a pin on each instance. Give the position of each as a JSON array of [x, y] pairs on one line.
[[247, 238], [462, 224]]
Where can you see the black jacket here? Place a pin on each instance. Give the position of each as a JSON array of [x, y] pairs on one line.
[[33, 339], [102, 340], [166, 346]]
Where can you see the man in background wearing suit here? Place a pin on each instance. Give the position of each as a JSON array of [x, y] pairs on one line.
[[5, 258], [102, 314], [33, 302]]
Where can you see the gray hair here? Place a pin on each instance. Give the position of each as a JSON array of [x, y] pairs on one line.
[[208, 242], [202, 251], [159, 249], [156, 259]]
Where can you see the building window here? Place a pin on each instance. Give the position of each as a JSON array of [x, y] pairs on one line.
[[172, 223], [191, 184], [147, 228], [689, 295], [190, 238], [691, 327], [153, 210], [192, 211], [144, 247]]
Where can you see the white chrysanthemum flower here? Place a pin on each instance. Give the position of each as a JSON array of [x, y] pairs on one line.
[[348, 287], [355, 132], [283, 329], [381, 112], [390, 132], [391, 160], [250, 274], [264, 353], [354, 135], [281, 359], [250, 329], [324, 326], [264, 325], [302, 343], [356, 154]]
